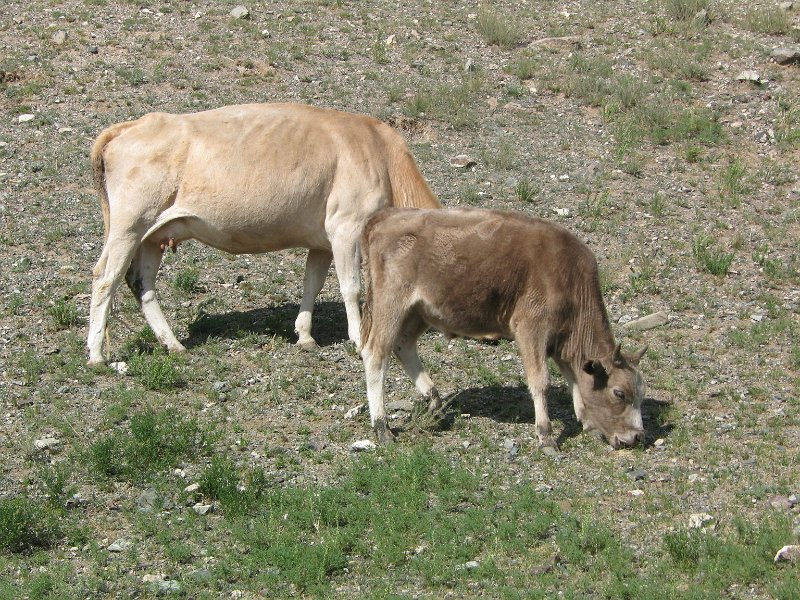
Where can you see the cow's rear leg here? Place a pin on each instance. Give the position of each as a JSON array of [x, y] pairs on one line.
[[534, 361], [108, 273], [141, 279], [317, 265], [406, 350]]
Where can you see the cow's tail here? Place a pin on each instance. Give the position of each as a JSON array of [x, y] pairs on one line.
[[409, 188], [99, 169], [366, 282]]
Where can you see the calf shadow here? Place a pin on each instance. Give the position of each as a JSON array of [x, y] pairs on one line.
[[329, 324], [513, 404]]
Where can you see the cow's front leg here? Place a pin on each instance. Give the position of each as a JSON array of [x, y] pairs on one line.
[[347, 260]]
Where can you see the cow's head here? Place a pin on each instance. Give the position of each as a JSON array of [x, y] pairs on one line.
[[612, 390]]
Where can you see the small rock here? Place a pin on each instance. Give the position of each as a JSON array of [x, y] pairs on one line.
[[700, 520], [120, 367], [94, 50], [25, 118], [316, 444], [168, 587], [462, 161], [547, 566], [751, 76], [511, 446], [638, 475], [355, 411], [191, 488], [561, 212], [404, 405], [543, 488], [762, 137], [200, 576], [46, 443], [363, 445], [119, 545], [647, 322], [222, 387], [153, 578], [787, 6], [785, 55], [469, 66], [146, 500], [240, 12], [701, 18], [470, 565], [203, 509], [781, 503], [659, 443], [635, 493], [59, 37], [789, 554], [465, 444]]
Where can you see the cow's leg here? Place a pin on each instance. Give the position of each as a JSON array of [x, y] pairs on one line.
[[317, 265], [141, 279], [534, 360], [347, 259], [108, 273], [406, 350]]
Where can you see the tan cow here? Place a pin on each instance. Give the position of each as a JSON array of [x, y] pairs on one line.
[[244, 179], [491, 274]]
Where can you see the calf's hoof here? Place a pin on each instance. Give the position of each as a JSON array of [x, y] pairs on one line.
[[548, 446], [176, 348], [434, 402], [383, 433], [93, 363]]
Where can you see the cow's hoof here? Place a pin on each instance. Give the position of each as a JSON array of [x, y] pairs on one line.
[[94, 363], [308, 345], [176, 348], [548, 446]]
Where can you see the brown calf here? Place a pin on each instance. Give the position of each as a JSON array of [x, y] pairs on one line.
[[491, 274]]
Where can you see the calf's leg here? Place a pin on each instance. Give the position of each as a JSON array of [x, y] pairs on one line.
[[108, 273], [534, 361], [141, 279], [317, 265], [376, 360], [406, 350]]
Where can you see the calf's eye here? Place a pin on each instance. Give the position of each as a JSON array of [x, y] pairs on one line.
[[619, 393]]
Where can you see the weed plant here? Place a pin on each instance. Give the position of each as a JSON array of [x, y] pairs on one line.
[[709, 258]]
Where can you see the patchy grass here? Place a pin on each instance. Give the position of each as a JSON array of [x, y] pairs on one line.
[[708, 257], [26, 525]]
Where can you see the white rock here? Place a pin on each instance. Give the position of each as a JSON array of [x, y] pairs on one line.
[[748, 76], [192, 488], [202, 509], [788, 554], [363, 445], [648, 322], [355, 411], [45, 443], [59, 37], [635, 493], [240, 12], [119, 545], [700, 520], [25, 118], [462, 161], [120, 367], [561, 212]]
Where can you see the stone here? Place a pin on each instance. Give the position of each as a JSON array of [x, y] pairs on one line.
[[25, 118], [222, 387], [355, 411], [637, 474], [120, 367], [404, 405], [701, 18], [191, 488], [561, 212], [462, 161], [46, 443], [59, 37], [650, 321], [316, 444], [146, 500], [790, 554], [786, 55], [781, 503], [751, 76], [240, 12], [700, 520], [203, 509], [787, 6], [363, 446], [120, 545], [470, 565]]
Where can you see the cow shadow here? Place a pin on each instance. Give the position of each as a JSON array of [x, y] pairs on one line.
[[513, 404], [329, 324]]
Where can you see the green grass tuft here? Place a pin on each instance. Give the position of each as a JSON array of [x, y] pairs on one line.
[[26, 525], [709, 258]]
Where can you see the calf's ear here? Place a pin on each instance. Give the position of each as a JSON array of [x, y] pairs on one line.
[[594, 367], [637, 356]]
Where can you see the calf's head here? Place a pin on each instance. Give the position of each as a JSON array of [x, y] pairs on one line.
[[612, 390]]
